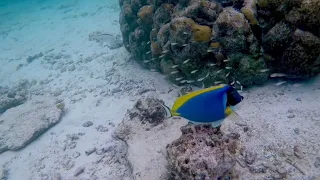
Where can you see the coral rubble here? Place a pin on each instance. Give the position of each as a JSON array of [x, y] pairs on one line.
[[202, 42]]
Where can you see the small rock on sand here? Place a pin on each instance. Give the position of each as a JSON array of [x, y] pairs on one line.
[[99, 151], [76, 154], [291, 116], [72, 145], [79, 171], [90, 151], [56, 176], [87, 124], [101, 128], [317, 162], [250, 157]]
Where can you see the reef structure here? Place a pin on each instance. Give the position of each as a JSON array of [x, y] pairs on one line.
[[202, 152], [206, 42]]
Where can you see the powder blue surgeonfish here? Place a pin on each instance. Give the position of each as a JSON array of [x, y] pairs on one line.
[[207, 106]]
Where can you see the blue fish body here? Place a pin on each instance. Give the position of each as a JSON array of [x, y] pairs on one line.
[[206, 107]]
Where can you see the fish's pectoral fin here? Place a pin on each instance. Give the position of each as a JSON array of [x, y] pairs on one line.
[[167, 110], [218, 123]]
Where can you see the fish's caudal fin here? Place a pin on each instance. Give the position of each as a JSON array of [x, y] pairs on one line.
[[167, 110]]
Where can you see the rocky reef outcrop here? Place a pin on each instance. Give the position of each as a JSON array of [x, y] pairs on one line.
[[146, 132], [220, 41], [202, 152], [20, 125], [160, 148]]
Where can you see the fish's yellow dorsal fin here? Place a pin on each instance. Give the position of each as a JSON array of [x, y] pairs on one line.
[[183, 99]]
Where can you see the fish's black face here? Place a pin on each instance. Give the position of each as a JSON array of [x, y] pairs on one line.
[[233, 97]]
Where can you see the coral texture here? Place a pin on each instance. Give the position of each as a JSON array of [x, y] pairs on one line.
[[201, 152], [221, 41]]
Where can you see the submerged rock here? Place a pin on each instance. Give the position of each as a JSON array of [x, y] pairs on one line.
[[199, 38], [147, 133], [202, 152], [12, 97], [22, 124]]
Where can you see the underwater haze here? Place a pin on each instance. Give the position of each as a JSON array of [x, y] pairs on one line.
[[159, 89]]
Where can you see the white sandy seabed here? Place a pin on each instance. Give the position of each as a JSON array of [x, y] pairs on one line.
[[99, 83]]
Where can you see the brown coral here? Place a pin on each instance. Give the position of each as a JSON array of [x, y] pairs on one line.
[[201, 33], [248, 13], [145, 14], [155, 48]]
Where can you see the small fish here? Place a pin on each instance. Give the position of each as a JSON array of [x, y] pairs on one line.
[[280, 83], [148, 52], [153, 70], [228, 67], [238, 82], [209, 50], [217, 82], [148, 42], [228, 74], [194, 71], [212, 64], [226, 60], [201, 79], [185, 33], [146, 61], [186, 61], [241, 87], [264, 70], [232, 83], [153, 59], [165, 51], [190, 81], [174, 66], [192, 108], [219, 71], [162, 56], [278, 75], [178, 79], [173, 44], [183, 81], [297, 85], [153, 29], [184, 45], [174, 72]]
